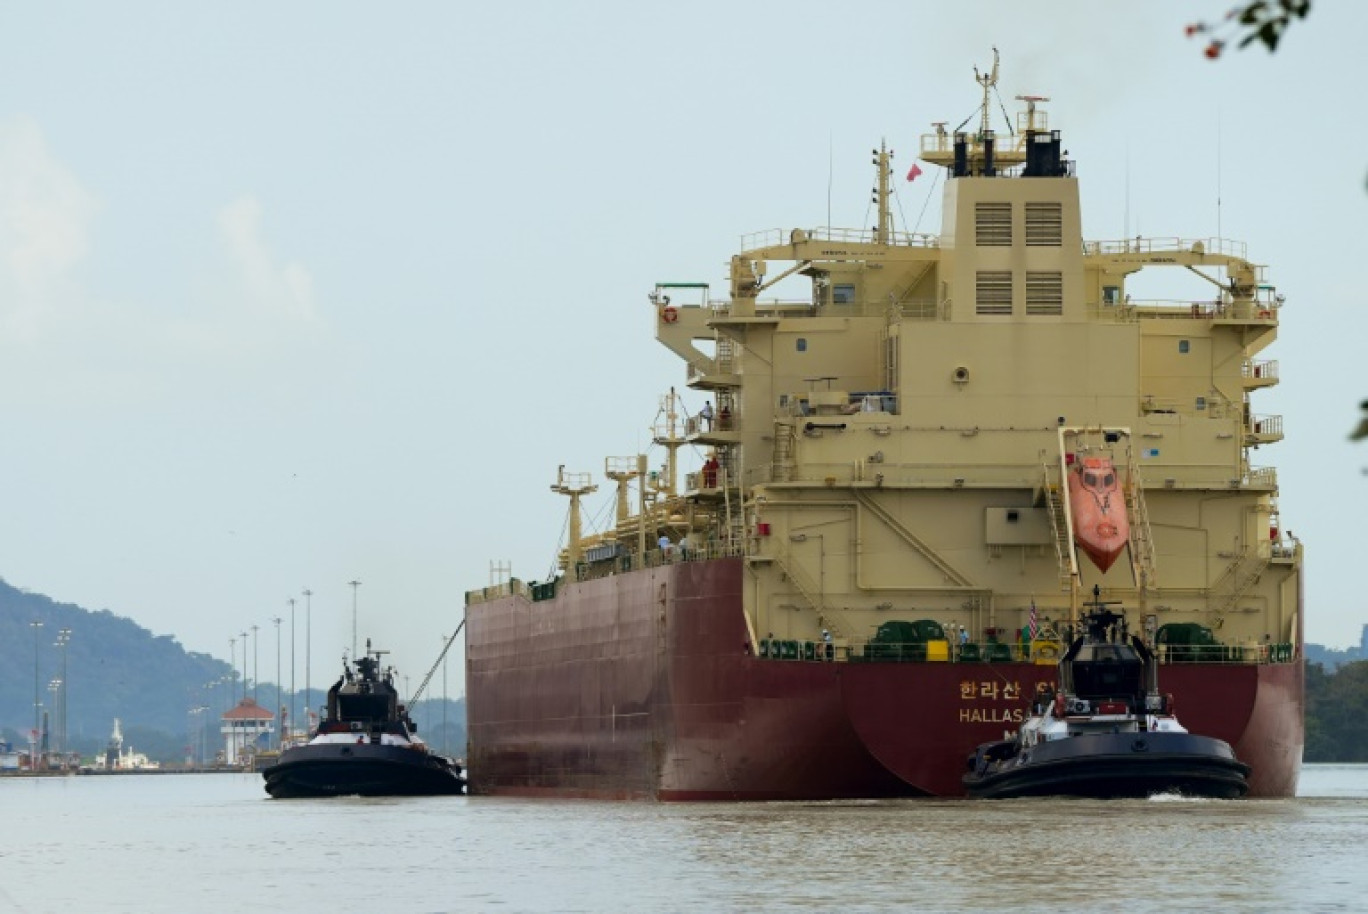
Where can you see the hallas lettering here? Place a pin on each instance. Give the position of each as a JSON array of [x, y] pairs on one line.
[[990, 715]]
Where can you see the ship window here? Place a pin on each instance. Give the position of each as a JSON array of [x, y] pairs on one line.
[[802, 344], [1044, 293], [1090, 479], [1111, 295], [843, 293], [1108, 480], [1201, 402], [1184, 346], [993, 224], [993, 292], [1044, 225]]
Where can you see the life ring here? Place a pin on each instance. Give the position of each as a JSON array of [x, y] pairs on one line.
[[669, 314], [1046, 651], [1265, 314]]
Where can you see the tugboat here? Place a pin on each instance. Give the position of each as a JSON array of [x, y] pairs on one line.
[[1106, 731], [366, 745]]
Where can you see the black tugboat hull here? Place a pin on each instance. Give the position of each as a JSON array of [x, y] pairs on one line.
[[338, 770], [1113, 766]]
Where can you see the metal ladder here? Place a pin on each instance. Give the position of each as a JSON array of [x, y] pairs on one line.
[[1059, 525], [785, 444], [1141, 538]]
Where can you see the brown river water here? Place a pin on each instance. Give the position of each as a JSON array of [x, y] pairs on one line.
[[216, 843]]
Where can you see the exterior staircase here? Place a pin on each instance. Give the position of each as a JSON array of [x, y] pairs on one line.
[[1055, 495], [1141, 538], [870, 504], [828, 618]]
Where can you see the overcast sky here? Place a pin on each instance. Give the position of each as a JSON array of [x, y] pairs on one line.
[[295, 294]]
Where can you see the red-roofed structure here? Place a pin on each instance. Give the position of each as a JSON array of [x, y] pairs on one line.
[[243, 727]]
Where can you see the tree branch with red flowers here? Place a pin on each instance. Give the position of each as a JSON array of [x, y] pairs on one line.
[[1262, 20]]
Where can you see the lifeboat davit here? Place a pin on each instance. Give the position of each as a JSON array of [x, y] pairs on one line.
[[1101, 528]]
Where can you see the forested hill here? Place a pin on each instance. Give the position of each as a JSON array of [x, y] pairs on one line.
[[115, 668]]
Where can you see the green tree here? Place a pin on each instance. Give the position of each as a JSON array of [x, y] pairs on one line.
[[1337, 713]]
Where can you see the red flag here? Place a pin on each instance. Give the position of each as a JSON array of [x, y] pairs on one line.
[[913, 172]]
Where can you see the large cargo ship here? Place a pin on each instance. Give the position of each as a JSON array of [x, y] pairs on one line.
[[914, 474]]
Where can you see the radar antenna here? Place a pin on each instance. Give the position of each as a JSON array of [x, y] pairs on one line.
[[1030, 101]]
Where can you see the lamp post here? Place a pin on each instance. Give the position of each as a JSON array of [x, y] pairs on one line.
[[291, 601], [33, 750], [308, 649], [279, 731], [197, 736], [256, 664], [243, 636], [63, 639], [354, 586], [232, 661], [55, 687]]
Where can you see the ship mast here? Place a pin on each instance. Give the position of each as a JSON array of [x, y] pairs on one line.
[[573, 485], [987, 81], [667, 436], [621, 470], [883, 159]]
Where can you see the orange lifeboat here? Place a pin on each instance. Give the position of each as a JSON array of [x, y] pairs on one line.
[[1101, 528]]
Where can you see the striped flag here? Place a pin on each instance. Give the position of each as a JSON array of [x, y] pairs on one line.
[[1033, 619]]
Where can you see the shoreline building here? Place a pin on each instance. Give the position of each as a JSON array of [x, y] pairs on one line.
[[246, 730]]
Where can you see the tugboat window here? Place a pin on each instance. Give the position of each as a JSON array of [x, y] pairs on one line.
[[843, 293], [802, 344], [1184, 345]]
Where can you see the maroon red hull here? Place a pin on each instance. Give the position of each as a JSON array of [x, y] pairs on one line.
[[644, 685]]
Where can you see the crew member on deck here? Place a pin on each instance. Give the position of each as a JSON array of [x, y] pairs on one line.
[[710, 472]]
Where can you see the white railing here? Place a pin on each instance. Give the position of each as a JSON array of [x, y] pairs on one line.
[[769, 238], [1142, 245]]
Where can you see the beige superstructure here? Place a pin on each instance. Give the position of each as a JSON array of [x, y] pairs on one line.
[[893, 446]]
